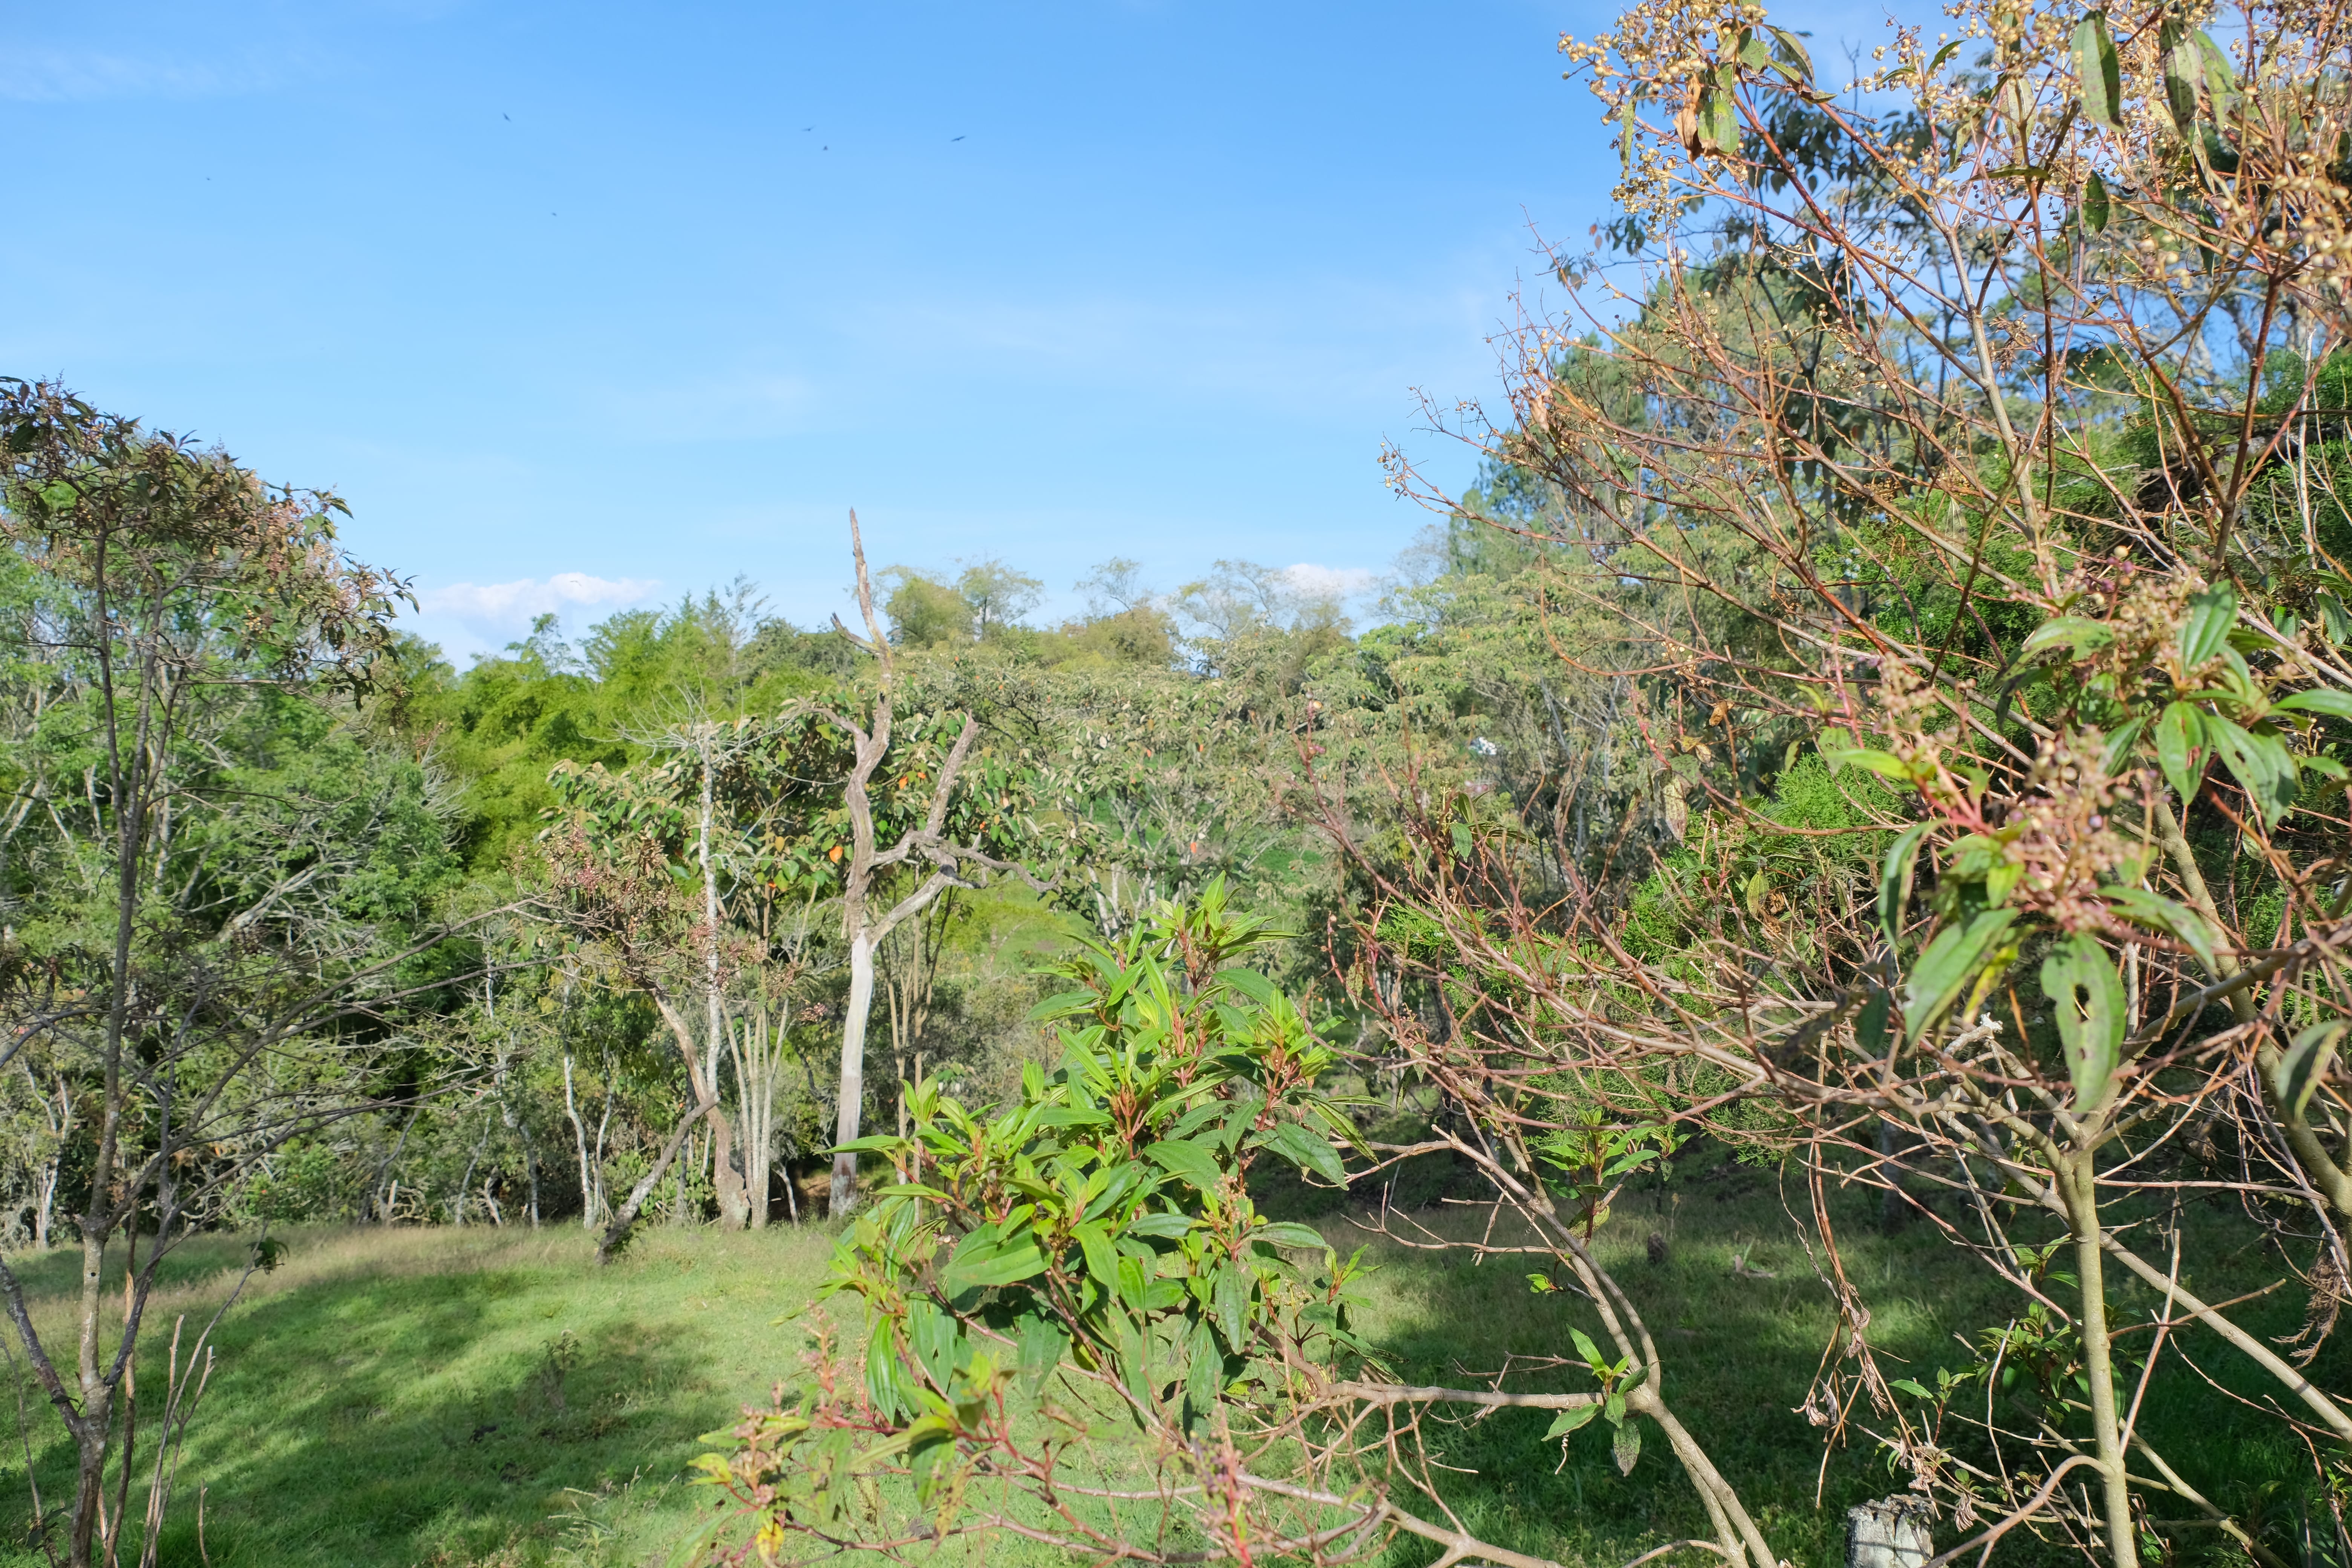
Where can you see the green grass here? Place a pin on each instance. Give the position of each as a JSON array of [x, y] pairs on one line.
[[1738, 1354], [385, 1398]]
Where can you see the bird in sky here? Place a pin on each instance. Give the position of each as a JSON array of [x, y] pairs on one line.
[[507, 117], [955, 138]]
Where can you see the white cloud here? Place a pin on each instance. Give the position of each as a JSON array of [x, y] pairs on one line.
[[1314, 582], [515, 603], [745, 406], [58, 76]]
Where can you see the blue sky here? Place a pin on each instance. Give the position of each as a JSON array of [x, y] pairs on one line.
[[584, 305]]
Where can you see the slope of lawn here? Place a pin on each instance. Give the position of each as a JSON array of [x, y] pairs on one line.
[[393, 1397]]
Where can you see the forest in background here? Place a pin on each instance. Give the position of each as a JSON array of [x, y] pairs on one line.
[[537, 1088]]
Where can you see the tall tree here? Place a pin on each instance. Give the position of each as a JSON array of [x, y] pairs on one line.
[[938, 858], [184, 963], [1960, 496]]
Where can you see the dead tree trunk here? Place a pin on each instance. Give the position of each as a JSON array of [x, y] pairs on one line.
[[863, 924]]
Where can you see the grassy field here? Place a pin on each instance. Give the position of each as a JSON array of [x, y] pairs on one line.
[[390, 1397]]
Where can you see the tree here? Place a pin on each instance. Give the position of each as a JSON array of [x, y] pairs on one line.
[[670, 886], [986, 599], [184, 963], [997, 596], [1115, 587], [927, 848], [1960, 499], [1135, 1280], [505, 723], [923, 611]]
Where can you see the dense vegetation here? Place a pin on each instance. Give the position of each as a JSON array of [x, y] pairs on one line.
[[1878, 729]]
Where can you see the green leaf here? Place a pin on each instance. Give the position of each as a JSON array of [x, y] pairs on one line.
[[2178, 922], [2211, 614], [1132, 1355], [2260, 763], [2213, 64], [1159, 1227], [2095, 206], [1894, 878], [1719, 121], [1912, 1387], [1188, 1160], [1250, 984], [2304, 1064], [866, 1146], [1870, 1027], [887, 1384], [2071, 632], [2096, 63], [2181, 749], [1137, 1276], [1626, 1447], [1229, 1294], [1944, 968], [1837, 749], [2181, 69], [2119, 745], [1063, 1005], [1289, 1233], [2080, 978], [1791, 50], [933, 1334], [2336, 618], [1586, 1348], [2039, 675], [1102, 1259], [1753, 51], [1568, 1420], [2322, 700], [60, 496], [1071, 1116], [1302, 1148], [1043, 1345], [982, 1259], [1205, 1368]]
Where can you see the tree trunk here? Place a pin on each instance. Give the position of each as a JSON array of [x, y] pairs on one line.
[[2078, 1177], [48, 1203], [725, 1177], [376, 1201], [1893, 1204], [1892, 1533], [588, 1204], [757, 1044], [465, 1182], [702, 1083], [726, 1182], [852, 1099], [616, 1235], [89, 1490]]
